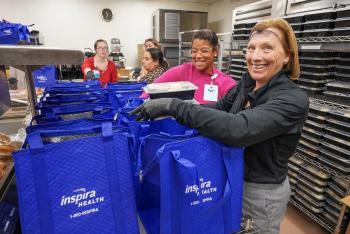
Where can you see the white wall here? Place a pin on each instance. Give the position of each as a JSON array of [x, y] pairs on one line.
[[78, 23], [220, 14]]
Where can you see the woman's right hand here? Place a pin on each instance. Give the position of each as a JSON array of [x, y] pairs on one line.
[[90, 75]]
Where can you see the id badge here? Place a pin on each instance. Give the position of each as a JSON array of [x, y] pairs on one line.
[[96, 74], [211, 93]]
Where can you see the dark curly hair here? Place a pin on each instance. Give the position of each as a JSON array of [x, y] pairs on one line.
[[207, 34]]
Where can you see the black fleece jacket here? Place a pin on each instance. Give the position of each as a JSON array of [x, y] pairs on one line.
[[269, 130]]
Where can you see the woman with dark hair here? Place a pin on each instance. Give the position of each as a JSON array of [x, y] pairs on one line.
[[99, 67], [153, 62], [264, 114], [201, 71]]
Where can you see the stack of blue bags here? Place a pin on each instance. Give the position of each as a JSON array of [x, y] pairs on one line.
[[89, 167]]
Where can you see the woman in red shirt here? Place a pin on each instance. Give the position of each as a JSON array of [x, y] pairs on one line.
[[99, 67]]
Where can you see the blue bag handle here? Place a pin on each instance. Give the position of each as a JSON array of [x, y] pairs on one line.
[[192, 168]]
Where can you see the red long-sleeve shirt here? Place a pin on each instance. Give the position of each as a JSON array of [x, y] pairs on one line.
[[107, 76]]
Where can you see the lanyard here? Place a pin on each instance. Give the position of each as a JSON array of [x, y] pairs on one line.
[[212, 78]]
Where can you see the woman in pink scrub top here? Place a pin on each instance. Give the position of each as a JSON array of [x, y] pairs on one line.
[[212, 84]]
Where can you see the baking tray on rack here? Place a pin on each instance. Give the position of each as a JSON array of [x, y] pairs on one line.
[[320, 16], [296, 161], [341, 32], [332, 211], [338, 129], [311, 83], [333, 134], [341, 118], [316, 61], [336, 150], [342, 70], [308, 147], [330, 192], [318, 33], [297, 27], [241, 37], [336, 167], [239, 26], [307, 204], [341, 77], [341, 184], [338, 87], [317, 197], [313, 133], [342, 13], [342, 97], [314, 181], [319, 109], [315, 76], [293, 175], [333, 203], [338, 142], [313, 125], [315, 68], [301, 150], [311, 186], [294, 19], [319, 119], [293, 168], [317, 54], [311, 140], [334, 188], [334, 159], [342, 23], [319, 24], [316, 172], [312, 91]]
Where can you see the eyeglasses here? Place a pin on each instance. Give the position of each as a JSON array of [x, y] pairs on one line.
[[102, 48], [202, 51]]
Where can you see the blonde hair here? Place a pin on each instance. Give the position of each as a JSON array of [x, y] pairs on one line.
[[289, 43]]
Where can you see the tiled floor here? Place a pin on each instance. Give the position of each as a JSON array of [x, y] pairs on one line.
[[295, 222]]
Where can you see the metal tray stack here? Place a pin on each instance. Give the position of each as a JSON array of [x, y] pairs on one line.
[[297, 23], [238, 66], [316, 71], [335, 149], [342, 23], [336, 190], [241, 32], [339, 90], [294, 164], [313, 130], [311, 187], [319, 25]]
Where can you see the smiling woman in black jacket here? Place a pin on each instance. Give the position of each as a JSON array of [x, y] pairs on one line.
[[264, 113]]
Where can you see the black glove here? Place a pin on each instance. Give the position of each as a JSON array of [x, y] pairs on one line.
[[153, 109], [90, 75]]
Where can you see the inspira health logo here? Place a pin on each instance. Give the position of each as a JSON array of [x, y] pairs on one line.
[[204, 188], [81, 197]]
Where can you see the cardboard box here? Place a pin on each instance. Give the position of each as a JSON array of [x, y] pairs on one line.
[[140, 51], [124, 72]]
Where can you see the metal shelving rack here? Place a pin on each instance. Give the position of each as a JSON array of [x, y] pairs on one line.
[[313, 216], [332, 43], [224, 56], [185, 45]]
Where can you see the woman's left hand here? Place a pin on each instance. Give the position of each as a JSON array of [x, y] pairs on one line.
[[153, 109]]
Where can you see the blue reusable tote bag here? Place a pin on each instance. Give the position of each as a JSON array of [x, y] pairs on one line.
[[200, 186], [76, 186]]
